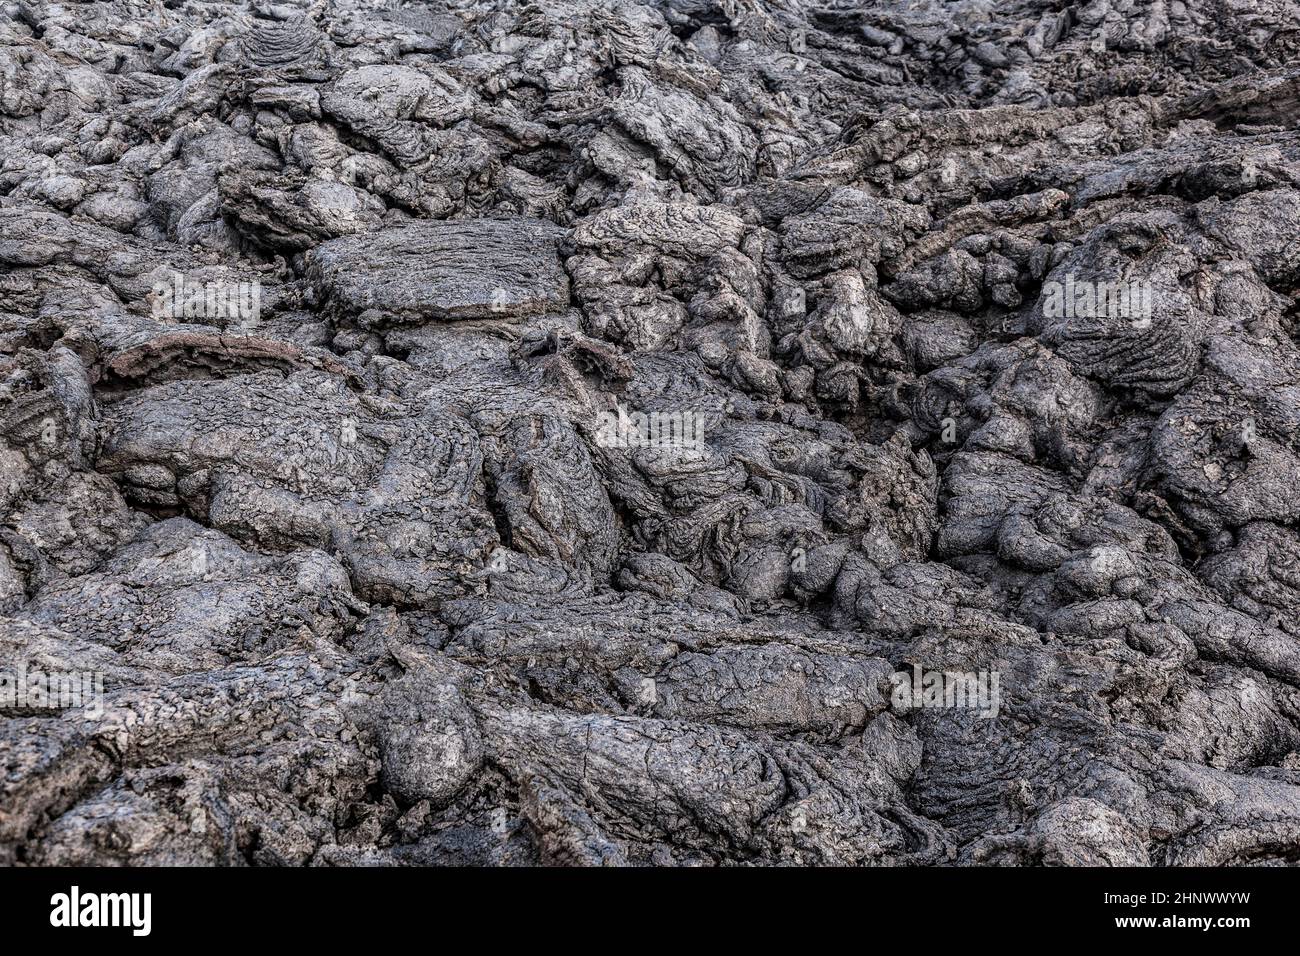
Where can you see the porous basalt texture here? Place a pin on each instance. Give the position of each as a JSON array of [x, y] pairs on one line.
[[367, 575]]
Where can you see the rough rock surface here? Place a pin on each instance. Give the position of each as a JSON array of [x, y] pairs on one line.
[[366, 568]]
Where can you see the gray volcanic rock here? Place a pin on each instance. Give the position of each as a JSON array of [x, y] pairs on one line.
[[479, 269], [670, 432]]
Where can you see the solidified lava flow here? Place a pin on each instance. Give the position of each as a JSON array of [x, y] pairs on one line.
[[677, 432]]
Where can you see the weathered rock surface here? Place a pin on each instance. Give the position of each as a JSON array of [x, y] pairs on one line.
[[573, 432]]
